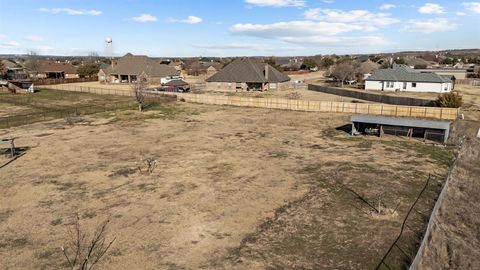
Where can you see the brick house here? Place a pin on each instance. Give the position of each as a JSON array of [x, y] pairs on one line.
[[56, 70], [246, 74], [128, 68]]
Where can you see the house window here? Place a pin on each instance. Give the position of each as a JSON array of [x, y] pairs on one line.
[[414, 84]]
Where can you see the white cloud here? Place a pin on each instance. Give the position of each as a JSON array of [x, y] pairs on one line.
[[430, 26], [10, 45], [387, 6], [460, 13], [430, 8], [363, 17], [277, 3], [189, 20], [144, 18], [473, 6], [239, 46], [2, 36], [299, 29], [192, 20], [34, 38], [311, 32], [71, 11]]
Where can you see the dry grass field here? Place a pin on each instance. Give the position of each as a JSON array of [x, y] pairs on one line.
[[234, 188]]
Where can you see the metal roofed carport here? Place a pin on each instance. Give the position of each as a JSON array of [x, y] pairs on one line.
[[392, 125]]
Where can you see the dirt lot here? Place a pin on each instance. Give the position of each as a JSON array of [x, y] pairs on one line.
[[234, 188], [7, 109], [302, 94], [471, 96]]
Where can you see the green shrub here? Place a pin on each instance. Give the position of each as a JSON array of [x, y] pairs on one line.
[[449, 100]]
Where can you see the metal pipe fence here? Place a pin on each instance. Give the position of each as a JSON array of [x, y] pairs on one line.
[[52, 114]]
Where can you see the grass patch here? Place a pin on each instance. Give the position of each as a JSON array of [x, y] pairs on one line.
[[364, 144], [13, 243], [442, 156], [56, 222], [165, 111]]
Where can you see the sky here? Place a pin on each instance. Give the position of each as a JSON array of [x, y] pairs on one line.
[[181, 28]]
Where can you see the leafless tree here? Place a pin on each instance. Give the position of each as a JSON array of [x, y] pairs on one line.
[[139, 86], [3, 70], [33, 63], [344, 71], [82, 254]]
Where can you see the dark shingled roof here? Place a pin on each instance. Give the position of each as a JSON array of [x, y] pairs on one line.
[[401, 73], [248, 70], [137, 64], [49, 66]]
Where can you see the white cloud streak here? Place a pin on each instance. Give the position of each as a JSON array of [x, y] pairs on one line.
[[277, 3], [472, 6], [430, 26], [189, 20], [430, 8], [144, 18], [319, 33], [366, 18], [387, 6], [71, 11]]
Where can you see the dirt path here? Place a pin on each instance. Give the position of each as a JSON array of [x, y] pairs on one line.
[[455, 239]]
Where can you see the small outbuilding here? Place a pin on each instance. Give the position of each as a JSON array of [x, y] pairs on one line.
[[378, 125]]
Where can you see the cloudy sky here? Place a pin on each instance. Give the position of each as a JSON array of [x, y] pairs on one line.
[[236, 27]]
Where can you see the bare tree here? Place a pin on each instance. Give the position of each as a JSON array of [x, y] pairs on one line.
[[33, 63], [139, 86], [3, 70], [344, 71], [82, 254]]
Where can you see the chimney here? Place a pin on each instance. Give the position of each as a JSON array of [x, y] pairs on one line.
[[266, 72], [114, 63]]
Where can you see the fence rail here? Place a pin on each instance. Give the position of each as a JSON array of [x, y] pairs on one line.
[[472, 82], [52, 114], [290, 104], [64, 81]]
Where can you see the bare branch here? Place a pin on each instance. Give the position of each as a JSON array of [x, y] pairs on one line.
[[86, 256]]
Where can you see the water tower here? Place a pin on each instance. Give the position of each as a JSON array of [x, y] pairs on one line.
[[109, 47]]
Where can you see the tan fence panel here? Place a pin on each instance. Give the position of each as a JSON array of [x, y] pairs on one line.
[[290, 104]]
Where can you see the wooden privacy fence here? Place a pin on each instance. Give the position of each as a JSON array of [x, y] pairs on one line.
[[324, 106], [289, 104], [472, 82], [64, 80], [91, 90]]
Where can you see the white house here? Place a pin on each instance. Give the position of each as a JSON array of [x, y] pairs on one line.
[[404, 78]]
